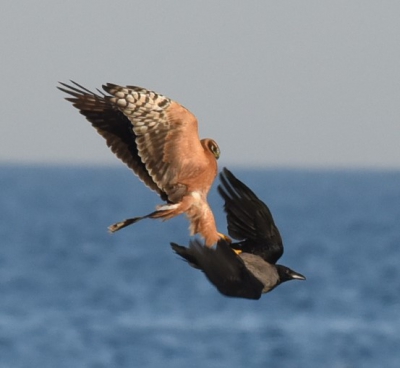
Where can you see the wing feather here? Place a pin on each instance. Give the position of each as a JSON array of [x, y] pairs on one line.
[[249, 219], [114, 126], [166, 133]]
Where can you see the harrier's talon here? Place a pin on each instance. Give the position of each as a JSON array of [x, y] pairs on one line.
[[225, 237]]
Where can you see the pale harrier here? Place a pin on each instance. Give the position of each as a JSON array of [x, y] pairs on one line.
[[158, 139], [246, 269]]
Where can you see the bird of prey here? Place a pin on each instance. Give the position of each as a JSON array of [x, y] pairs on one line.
[[248, 268], [158, 139]]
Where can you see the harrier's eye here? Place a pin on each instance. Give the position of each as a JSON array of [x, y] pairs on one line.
[[215, 150]]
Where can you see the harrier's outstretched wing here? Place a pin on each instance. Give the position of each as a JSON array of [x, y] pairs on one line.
[[114, 126]]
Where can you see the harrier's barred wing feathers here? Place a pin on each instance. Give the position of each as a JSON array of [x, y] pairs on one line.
[[166, 136], [114, 126], [249, 219]]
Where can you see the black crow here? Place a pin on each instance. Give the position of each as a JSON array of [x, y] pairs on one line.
[[248, 268]]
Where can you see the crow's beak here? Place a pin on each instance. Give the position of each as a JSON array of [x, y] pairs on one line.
[[297, 276]]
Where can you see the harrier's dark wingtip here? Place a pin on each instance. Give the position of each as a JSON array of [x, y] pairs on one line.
[[75, 90]]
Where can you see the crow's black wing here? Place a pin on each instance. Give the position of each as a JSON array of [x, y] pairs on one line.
[[249, 219]]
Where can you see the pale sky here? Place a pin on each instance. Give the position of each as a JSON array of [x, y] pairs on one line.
[[304, 84]]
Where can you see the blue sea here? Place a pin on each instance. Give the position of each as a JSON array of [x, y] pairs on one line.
[[73, 295]]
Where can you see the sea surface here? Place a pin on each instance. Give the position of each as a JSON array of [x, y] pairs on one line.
[[73, 295]]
